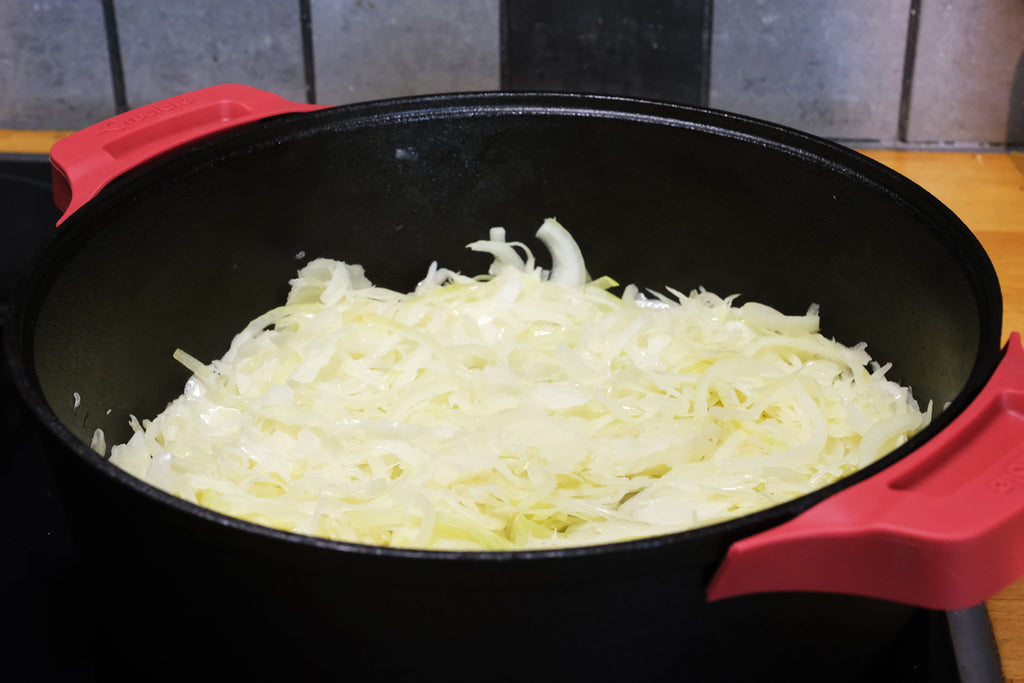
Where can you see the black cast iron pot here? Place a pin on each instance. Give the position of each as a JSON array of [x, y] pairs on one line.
[[186, 219]]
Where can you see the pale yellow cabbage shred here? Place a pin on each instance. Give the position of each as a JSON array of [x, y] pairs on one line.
[[520, 409]]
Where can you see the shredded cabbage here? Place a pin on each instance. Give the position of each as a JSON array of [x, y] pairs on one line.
[[524, 408]]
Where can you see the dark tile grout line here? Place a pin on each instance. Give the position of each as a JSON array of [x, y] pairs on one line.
[[114, 52], [308, 60], [706, 36], [502, 44], [909, 60]]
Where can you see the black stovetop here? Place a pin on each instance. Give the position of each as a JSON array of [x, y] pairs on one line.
[[45, 604]]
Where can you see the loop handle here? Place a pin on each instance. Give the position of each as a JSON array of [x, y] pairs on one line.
[[85, 162], [939, 529]]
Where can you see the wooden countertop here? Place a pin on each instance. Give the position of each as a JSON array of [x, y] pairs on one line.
[[986, 190]]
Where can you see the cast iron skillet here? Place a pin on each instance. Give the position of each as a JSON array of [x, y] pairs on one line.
[[186, 218]]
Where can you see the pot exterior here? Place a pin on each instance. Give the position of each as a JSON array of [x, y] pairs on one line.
[[175, 600], [187, 250]]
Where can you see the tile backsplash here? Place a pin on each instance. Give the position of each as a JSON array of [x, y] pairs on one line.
[[172, 47], [969, 76], [54, 64], [833, 68], [365, 50], [900, 72]]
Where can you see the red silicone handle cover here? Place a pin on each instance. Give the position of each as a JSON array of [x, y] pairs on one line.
[[86, 161], [943, 528]]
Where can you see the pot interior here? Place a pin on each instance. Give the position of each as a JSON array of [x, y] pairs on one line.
[[184, 252]]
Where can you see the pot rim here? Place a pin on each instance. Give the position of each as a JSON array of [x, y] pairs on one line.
[[834, 157]]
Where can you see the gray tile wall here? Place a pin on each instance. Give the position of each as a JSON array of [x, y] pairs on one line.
[[369, 50], [171, 47], [54, 65], [969, 80], [831, 67]]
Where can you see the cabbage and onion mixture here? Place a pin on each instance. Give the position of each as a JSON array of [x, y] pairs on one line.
[[525, 408]]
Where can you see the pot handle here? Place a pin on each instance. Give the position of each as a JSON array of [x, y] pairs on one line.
[[85, 162], [939, 529]]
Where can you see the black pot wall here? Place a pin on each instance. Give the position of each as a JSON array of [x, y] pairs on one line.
[[176, 599], [184, 252]]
